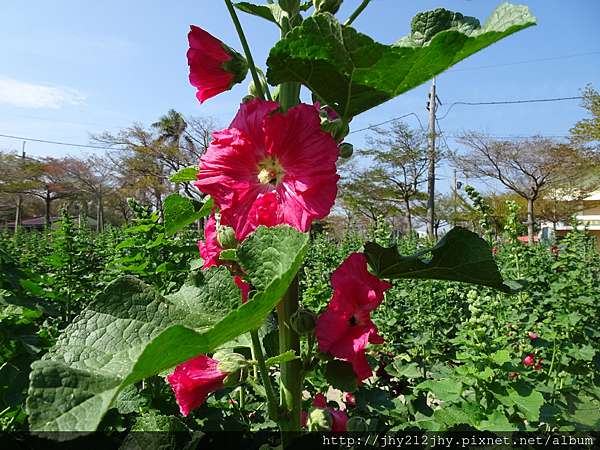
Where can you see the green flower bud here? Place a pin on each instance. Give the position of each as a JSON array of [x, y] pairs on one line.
[[226, 237], [357, 424], [336, 127], [237, 65], [330, 6], [303, 321], [252, 86], [230, 362], [346, 150], [319, 420]]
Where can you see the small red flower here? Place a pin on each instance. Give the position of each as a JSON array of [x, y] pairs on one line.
[[529, 360], [214, 67], [538, 365], [345, 328], [555, 250], [494, 250], [349, 399], [533, 336], [194, 380], [271, 168]]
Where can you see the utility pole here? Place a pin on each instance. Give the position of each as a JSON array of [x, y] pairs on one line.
[[18, 214], [432, 107]]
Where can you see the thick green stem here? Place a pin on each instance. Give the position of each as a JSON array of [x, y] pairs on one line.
[[291, 371], [264, 375], [357, 13], [247, 53]]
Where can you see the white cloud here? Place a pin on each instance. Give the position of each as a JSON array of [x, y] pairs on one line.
[[38, 96]]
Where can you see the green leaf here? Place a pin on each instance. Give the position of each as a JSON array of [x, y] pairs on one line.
[[284, 357], [452, 415], [352, 73], [229, 254], [445, 389], [182, 211], [271, 12], [184, 175], [130, 332], [460, 255], [340, 375], [527, 400], [501, 356], [496, 421]]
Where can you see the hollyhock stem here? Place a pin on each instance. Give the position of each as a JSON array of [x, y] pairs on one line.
[[291, 371], [264, 375], [357, 13], [247, 53]]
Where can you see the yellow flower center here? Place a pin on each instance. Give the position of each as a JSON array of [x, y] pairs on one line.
[[270, 172]]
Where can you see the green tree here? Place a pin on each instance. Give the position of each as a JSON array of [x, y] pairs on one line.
[[587, 131]]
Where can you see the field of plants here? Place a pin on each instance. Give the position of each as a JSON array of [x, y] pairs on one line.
[[454, 355]]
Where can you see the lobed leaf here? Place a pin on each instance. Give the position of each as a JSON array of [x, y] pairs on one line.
[[352, 73], [460, 255], [181, 211]]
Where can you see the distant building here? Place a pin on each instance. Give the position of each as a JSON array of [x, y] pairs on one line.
[[588, 218]]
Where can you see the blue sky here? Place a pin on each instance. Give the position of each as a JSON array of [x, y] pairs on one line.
[[71, 68]]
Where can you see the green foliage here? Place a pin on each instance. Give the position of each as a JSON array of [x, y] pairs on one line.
[[181, 212], [123, 336], [352, 73], [460, 255]]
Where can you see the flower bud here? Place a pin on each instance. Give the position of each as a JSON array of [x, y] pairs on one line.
[[226, 237], [319, 420], [303, 321], [252, 90], [336, 127], [230, 362], [357, 424], [330, 6], [346, 150]]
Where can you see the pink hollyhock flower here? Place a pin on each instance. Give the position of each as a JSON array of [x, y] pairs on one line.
[[271, 168], [345, 328], [194, 380], [339, 418], [349, 399], [214, 67], [210, 252], [529, 360], [533, 336]]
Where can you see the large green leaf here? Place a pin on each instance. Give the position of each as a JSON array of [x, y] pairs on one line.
[[181, 211], [460, 255], [352, 73], [130, 332]]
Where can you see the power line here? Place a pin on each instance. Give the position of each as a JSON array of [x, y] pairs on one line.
[[516, 63], [393, 119], [68, 144], [510, 102]]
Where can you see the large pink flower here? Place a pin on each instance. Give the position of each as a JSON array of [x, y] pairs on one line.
[[210, 250], [194, 380], [214, 67], [345, 328], [271, 168]]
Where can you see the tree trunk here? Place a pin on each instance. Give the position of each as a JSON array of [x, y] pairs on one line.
[[99, 215], [18, 213], [48, 203], [530, 221], [408, 216]]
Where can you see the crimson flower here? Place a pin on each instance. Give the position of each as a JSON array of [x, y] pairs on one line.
[[349, 399], [210, 250], [271, 168], [194, 380], [214, 67], [533, 336], [345, 328], [529, 360], [538, 365]]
